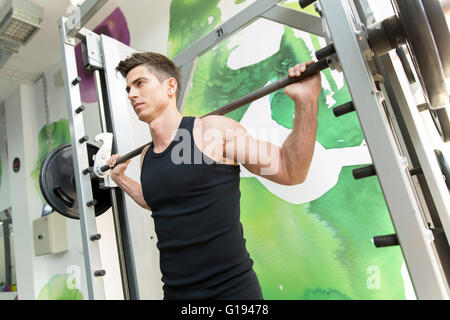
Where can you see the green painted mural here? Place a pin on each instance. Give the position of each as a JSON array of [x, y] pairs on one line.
[[320, 248], [50, 137], [60, 287]]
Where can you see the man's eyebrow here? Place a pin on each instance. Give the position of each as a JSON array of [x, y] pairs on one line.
[[134, 82]]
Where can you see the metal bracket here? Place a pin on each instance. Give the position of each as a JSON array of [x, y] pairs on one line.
[[334, 63], [102, 156], [92, 54]]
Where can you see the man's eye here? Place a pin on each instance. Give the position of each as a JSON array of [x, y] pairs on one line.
[[140, 83]]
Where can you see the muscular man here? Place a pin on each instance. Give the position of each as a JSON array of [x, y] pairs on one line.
[[190, 179]]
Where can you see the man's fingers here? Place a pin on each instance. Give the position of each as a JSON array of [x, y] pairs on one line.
[[298, 69], [112, 161], [291, 72], [303, 67]]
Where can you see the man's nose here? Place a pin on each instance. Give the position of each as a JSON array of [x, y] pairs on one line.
[[132, 94]]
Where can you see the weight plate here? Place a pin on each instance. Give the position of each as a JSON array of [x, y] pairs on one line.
[[442, 123], [438, 23], [57, 183], [445, 169], [425, 53]]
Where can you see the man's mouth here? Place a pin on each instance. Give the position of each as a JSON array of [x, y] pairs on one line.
[[137, 104]]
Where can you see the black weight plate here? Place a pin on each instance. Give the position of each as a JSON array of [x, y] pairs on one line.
[[445, 169], [425, 53], [442, 123], [57, 183], [438, 23]]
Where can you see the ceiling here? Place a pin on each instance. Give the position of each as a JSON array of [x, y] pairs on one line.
[[43, 51]]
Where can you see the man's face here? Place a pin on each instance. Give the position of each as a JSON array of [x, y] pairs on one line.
[[148, 96]]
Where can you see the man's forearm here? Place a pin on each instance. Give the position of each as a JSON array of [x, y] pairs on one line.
[[298, 149], [133, 189]]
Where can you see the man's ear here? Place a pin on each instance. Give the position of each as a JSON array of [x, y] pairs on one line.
[[172, 86]]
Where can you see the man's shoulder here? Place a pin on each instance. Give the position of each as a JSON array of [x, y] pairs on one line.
[[144, 151], [219, 122]]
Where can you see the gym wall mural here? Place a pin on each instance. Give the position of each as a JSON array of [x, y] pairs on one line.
[[50, 137], [311, 241]]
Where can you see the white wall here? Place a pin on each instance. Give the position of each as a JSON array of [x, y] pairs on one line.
[[19, 124], [149, 24], [4, 183]]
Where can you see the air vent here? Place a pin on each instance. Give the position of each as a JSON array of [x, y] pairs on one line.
[[19, 21]]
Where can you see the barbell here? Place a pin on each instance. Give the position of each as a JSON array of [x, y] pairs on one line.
[[57, 181]]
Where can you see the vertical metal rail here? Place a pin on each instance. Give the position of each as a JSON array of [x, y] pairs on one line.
[[91, 249], [432, 186], [6, 237], [114, 207]]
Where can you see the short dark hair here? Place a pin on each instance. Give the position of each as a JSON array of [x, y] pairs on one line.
[[159, 65]]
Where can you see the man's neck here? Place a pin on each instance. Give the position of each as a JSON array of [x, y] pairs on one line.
[[164, 128]]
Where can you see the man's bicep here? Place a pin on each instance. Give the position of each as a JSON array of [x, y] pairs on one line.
[[259, 157]]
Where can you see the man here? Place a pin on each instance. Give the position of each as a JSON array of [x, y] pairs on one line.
[[190, 178]]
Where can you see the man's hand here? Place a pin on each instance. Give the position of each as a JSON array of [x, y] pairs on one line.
[[128, 185], [307, 90], [117, 172]]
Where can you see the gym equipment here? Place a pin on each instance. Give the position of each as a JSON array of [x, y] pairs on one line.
[[410, 26], [421, 25], [394, 131], [443, 164], [385, 241], [436, 18], [57, 183], [344, 109], [404, 162]]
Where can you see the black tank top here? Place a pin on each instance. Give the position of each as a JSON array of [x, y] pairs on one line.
[[195, 204]]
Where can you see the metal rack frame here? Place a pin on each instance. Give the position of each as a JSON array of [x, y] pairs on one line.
[[415, 237]]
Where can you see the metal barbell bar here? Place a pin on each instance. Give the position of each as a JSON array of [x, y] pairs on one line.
[[312, 69]]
